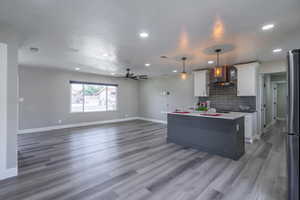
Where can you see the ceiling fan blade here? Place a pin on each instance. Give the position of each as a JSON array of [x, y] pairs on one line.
[[135, 77]]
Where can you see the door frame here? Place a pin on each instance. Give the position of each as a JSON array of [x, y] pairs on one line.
[[274, 99], [263, 101], [260, 105]]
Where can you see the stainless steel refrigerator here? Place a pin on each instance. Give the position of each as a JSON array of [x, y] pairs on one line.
[[293, 124]]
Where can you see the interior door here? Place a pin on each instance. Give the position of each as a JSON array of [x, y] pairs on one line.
[[274, 108], [264, 102]]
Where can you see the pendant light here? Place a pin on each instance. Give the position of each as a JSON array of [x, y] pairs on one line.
[[218, 69], [183, 74]]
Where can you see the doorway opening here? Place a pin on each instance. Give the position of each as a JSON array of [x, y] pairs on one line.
[[274, 99]]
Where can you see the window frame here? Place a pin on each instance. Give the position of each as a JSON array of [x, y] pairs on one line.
[[83, 104]]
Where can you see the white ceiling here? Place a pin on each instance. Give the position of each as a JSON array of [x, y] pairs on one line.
[[76, 33]]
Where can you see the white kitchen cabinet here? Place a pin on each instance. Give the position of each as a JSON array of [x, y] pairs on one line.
[[247, 79], [201, 80], [250, 127]]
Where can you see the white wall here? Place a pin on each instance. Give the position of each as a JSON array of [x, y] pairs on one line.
[[273, 67], [3, 103], [46, 94], [154, 105], [8, 104]]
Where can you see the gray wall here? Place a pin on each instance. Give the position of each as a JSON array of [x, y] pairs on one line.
[[46, 94], [153, 104], [8, 137], [281, 100]]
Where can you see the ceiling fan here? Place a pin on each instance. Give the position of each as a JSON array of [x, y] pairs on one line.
[[135, 77]]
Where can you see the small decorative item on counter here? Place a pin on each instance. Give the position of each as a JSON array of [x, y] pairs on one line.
[[202, 106], [179, 111]]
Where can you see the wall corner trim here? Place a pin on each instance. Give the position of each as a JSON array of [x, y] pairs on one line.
[[8, 173], [50, 128]]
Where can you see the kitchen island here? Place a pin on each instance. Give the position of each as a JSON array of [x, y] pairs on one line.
[[215, 133]]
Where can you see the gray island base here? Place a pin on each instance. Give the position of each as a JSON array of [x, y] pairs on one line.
[[221, 136]]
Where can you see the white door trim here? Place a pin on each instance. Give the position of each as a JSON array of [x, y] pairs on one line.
[[274, 101], [3, 106], [8, 173]]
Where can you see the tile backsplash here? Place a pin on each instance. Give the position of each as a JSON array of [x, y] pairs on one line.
[[225, 98], [230, 102]]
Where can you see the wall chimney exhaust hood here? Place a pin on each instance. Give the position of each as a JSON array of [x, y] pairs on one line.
[[222, 75]]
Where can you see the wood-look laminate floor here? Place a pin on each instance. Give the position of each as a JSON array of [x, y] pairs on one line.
[[131, 160]]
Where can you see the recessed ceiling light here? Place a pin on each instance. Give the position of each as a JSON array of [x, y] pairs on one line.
[[144, 35], [112, 73], [105, 55], [77, 68], [174, 71], [210, 62], [74, 50], [267, 27], [277, 50], [147, 64]]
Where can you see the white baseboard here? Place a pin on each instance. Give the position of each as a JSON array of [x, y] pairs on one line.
[[8, 173], [266, 129], [50, 128], [257, 137], [153, 120], [248, 140]]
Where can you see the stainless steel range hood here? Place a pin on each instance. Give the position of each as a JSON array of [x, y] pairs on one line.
[[224, 76]]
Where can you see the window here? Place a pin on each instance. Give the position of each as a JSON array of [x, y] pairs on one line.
[[92, 97]]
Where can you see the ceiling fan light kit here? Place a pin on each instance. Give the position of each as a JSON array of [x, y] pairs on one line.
[[135, 77]]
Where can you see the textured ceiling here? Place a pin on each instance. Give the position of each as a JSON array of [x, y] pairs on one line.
[[77, 33]]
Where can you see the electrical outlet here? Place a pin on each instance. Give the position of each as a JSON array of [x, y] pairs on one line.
[[126, 115], [237, 127], [60, 121]]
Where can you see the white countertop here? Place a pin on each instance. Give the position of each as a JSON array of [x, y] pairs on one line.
[[231, 115]]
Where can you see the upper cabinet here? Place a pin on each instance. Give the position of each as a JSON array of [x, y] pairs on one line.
[[247, 79], [201, 81]]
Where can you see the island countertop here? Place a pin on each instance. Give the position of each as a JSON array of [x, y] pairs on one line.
[[229, 116], [222, 134]]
